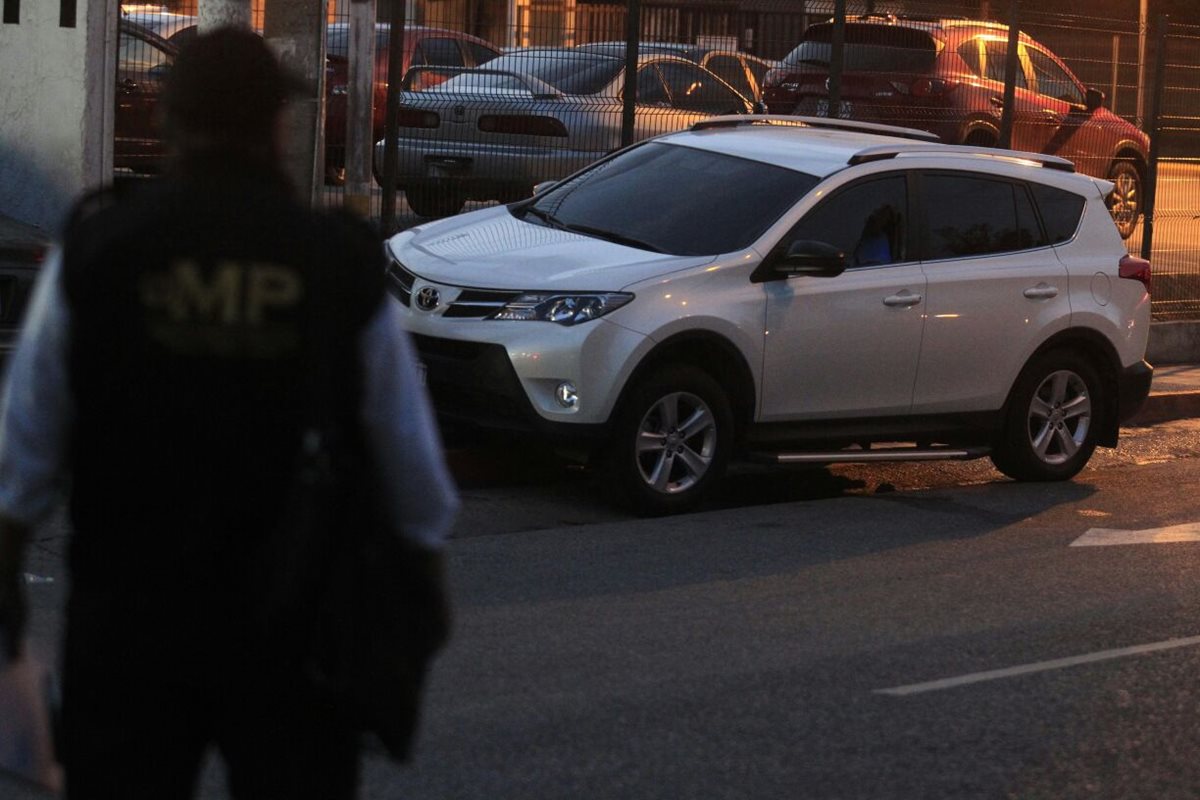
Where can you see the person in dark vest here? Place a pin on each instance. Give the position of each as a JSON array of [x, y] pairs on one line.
[[162, 388]]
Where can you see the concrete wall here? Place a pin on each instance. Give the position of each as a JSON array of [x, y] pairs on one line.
[[56, 103]]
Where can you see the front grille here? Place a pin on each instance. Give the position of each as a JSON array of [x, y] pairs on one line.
[[470, 303], [479, 303], [400, 281]]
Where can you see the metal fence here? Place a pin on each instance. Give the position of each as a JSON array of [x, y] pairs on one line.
[[499, 96]]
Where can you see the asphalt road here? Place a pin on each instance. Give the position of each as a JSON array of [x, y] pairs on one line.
[[741, 652], [748, 650]]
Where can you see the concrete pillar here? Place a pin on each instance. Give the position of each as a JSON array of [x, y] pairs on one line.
[[215, 14], [295, 31]]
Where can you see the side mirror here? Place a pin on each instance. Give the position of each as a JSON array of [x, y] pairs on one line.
[[1094, 99], [802, 257]]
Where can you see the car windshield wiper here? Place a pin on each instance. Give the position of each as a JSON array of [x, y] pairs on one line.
[[544, 216], [611, 236]]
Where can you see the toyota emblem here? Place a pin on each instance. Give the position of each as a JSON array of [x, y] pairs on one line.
[[428, 298]]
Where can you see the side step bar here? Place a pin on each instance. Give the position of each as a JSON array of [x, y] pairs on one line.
[[872, 456]]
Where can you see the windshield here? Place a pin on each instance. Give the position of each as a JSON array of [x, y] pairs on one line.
[[869, 48], [568, 72], [672, 199]]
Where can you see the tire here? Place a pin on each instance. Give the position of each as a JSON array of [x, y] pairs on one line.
[[655, 468], [434, 201], [1051, 421], [1125, 201]]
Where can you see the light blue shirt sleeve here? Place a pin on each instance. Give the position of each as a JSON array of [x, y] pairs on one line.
[[36, 409], [417, 488]]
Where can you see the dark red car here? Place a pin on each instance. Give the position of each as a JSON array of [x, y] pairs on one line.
[[947, 77], [143, 60], [422, 47]]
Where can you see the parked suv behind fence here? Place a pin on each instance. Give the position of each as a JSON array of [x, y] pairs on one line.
[[795, 290], [947, 76]]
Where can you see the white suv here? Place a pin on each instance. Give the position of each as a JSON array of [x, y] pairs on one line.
[[805, 290]]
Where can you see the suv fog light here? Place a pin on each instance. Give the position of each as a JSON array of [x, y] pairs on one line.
[[566, 395]]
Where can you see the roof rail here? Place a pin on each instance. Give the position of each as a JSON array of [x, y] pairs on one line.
[[737, 120], [883, 152]]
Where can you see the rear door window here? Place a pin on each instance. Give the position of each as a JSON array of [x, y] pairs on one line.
[[973, 215], [693, 88], [995, 54], [438, 52], [731, 70], [479, 53]]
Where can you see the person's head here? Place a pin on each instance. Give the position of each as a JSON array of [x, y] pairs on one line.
[[225, 92]]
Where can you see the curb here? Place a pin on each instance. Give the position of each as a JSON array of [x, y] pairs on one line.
[[1165, 407]]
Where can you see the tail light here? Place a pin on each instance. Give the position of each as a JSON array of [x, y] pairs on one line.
[[411, 118], [930, 87], [1135, 269], [522, 124]]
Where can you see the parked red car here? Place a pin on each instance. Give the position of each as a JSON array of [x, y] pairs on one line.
[[143, 60], [947, 77], [422, 46]]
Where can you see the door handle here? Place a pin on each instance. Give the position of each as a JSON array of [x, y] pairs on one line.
[[904, 299], [1042, 291]]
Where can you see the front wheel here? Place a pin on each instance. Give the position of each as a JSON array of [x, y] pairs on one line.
[[671, 441], [1125, 201], [1050, 426]]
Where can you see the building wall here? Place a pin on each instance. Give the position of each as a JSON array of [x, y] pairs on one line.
[[55, 111]]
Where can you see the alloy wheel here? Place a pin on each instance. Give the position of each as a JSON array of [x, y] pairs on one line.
[[676, 442], [1060, 414]]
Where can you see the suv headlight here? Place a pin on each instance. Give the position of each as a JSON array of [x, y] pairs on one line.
[[565, 309]]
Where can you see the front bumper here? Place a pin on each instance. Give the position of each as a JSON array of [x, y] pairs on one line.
[[474, 385]]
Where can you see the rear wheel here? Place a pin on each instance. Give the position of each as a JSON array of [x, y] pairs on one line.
[[1125, 201], [1050, 426], [671, 441], [434, 201]]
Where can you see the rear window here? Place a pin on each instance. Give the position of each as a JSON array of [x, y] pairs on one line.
[[1061, 211], [869, 48], [674, 199], [971, 215], [568, 72]]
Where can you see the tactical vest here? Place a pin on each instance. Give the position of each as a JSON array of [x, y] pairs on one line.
[[197, 304]]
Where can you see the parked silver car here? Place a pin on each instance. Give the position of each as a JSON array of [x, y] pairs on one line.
[[742, 71], [535, 115]]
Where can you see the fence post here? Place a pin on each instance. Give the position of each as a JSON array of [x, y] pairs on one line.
[[391, 130], [1151, 187], [837, 55], [1010, 75], [360, 121], [633, 35]]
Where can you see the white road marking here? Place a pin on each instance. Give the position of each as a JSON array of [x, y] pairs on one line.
[[1040, 666], [1097, 537]]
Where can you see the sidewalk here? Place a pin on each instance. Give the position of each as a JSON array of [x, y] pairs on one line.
[[1174, 394]]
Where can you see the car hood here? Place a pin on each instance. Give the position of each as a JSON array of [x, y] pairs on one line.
[[492, 249]]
